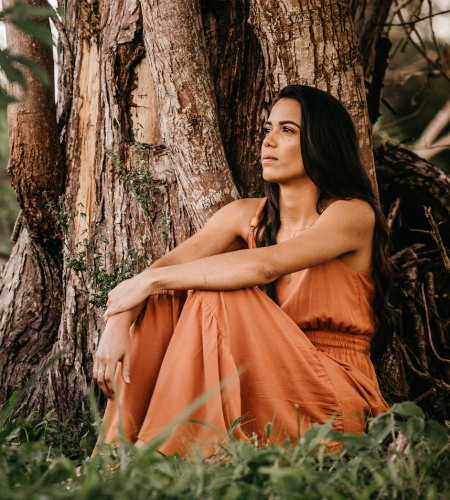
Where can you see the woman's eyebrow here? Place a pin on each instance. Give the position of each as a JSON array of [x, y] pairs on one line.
[[284, 123]]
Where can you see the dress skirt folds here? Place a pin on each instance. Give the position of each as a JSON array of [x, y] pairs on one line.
[[291, 365]]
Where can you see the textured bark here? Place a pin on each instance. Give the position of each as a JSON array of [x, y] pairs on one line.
[[368, 19], [113, 92], [30, 287], [187, 104], [313, 43], [238, 74], [34, 165], [30, 296], [401, 173]]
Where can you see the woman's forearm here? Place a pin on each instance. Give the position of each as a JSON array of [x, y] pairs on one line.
[[132, 314], [229, 271]]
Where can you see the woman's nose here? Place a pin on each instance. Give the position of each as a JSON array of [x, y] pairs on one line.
[[269, 140]]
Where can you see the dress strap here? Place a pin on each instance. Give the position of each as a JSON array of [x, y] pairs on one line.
[[254, 223]]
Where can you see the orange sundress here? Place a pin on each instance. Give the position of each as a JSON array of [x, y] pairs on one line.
[[291, 365]]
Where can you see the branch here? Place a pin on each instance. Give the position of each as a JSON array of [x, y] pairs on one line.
[[428, 327], [423, 375], [418, 20], [68, 94], [382, 48], [393, 211], [422, 49], [437, 237]]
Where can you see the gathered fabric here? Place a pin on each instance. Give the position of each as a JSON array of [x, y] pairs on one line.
[[289, 365]]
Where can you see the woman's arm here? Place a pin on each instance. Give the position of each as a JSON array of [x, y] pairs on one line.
[[225, 231], [346, 226]]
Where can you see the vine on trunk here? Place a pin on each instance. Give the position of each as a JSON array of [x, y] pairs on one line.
[[86, 259], [140, 182]]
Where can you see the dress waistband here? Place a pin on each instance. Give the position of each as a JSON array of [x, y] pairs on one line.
[[325, 339]]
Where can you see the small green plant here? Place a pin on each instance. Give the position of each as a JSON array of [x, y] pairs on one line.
[[88, 261], [403, 455], [140, 182]]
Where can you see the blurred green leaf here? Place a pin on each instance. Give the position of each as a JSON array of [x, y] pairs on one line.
[[408, 409], [436, 433], [34, 29]]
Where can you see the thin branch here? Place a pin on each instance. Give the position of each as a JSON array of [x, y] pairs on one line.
[[403, 118], [433, 35], [382, 48], [429, 328], [437, 237], [435, 127], [433, 308], [393, 211], [68, 67], [421, 46], [419, 331], [425, 394], [425, 376], [440, 145], [405, 3], [413, 22]]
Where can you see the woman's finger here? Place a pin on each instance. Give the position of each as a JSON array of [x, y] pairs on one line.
[[101, 378], [110, 371], [126, 366], [95, 369], [108, 313]]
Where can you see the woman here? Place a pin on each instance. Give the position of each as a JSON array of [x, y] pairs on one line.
[[277, 296]]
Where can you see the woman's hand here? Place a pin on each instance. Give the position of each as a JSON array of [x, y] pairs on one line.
[[114, 346], [128, 294]]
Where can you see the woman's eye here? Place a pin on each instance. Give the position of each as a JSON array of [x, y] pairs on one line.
[[288, 129], [266, 130]]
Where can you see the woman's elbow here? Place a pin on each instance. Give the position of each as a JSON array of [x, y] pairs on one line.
[[268, 272]]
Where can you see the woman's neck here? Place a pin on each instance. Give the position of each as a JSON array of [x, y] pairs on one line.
[[298, 206]]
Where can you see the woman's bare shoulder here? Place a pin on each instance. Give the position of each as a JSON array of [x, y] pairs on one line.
[[243, 210]]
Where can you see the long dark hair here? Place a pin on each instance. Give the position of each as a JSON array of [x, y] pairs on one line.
[[332, 160]]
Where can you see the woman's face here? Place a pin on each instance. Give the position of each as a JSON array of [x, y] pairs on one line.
[[282, 143]]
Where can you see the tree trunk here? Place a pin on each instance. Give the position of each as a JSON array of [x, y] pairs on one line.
[[201, 84], [30, 289]]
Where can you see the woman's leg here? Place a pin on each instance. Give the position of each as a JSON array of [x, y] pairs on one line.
[[244, 338], [150, 336]]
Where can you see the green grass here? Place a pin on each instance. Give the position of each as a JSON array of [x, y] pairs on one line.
[[38, 455]]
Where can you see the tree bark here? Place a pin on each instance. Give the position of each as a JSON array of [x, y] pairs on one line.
[[30, 287], [368, 20], [30, 296], [314, 43], [36, 161]]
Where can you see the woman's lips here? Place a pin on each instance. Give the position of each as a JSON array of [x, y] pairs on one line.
[[269, 160]]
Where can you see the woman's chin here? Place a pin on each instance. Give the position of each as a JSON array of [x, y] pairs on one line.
[[270, 176]]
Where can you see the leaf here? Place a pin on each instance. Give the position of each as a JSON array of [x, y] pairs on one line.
[[381, 427], [412, 428], [37, 69], [34, 29], [435, 432], [353, 442], [408, 409], [247, 452]]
